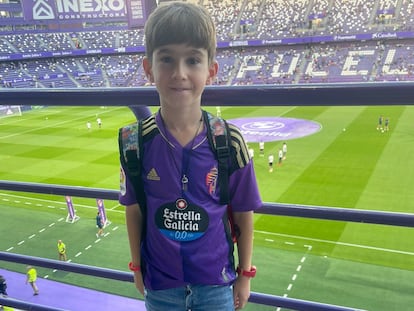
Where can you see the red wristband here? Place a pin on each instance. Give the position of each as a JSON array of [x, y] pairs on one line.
[[249, 274], [133, 267]]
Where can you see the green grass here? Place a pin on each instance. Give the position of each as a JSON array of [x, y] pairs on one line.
[[357, 265]]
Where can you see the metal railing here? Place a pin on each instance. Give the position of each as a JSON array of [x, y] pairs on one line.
[[341, 214]]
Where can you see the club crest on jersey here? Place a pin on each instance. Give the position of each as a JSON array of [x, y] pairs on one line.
[[181, 221]]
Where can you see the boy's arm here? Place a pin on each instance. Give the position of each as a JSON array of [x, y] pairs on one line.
[[243, 222], [134, 226]]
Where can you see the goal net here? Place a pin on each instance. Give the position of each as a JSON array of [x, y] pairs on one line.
[[7, 111]]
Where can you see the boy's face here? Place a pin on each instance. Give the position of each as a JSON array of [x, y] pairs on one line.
[[180, 73]]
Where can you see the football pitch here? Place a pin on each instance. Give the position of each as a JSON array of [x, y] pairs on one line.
[[348, 163]]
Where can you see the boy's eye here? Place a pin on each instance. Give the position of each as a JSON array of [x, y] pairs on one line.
[[193, 61], [166, 59]]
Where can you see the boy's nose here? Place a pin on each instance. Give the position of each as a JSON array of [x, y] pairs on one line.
[[179, 71]]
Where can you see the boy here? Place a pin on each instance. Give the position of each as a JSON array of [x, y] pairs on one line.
[[185, 261]]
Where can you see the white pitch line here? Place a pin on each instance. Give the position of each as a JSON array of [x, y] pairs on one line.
[[78, 254], [337, 243], [20, 243], [32, 236], [88, 247], [115, 207], [41, 230], [9, 249]]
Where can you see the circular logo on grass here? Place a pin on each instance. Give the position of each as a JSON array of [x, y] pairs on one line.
[[274, 128]]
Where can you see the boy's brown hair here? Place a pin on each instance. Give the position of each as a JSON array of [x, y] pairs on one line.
[[178, 23]]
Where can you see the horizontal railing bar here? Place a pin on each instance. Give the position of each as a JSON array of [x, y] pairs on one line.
[[338, 94], [295, 210], [277, 301], [295, 304], [77, 191], [67, 266], [338, 213]]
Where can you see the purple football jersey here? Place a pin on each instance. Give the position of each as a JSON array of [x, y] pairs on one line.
[[186, 239]]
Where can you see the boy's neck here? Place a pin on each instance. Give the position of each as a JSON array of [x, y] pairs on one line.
[[183, 127], [181, 121]]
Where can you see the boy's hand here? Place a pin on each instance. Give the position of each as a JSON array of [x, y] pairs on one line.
[[241, 292], [139, 282]]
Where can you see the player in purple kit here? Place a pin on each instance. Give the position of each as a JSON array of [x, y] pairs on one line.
[[184, 258]]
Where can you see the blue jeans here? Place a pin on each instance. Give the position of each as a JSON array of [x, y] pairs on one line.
[[191, 298]]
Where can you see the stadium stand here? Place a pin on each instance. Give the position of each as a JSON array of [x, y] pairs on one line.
[[252, 49]]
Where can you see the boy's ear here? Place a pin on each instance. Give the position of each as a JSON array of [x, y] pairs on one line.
[[212, 72], [146, 63]]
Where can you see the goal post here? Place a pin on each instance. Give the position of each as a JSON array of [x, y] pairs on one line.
[[8, 111]]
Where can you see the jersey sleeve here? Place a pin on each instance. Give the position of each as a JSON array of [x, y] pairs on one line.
[[127, 193]]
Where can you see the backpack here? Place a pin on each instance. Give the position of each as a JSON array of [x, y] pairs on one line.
[[131, 140]]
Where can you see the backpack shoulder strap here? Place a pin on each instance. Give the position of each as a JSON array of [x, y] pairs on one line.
[[230, 148], [130, 150], [131, 141], [240, 151], [219, 139]]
